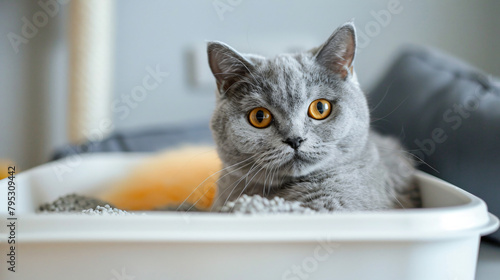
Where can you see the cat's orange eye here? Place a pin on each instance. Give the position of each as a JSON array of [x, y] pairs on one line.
[[320, 109], [260, 117]]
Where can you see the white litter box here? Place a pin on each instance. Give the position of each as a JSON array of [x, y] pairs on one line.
[[438, 242]]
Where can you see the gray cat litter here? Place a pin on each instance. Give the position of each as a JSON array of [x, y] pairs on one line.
[[72, 203], [106, 210], [244, 205], [259, 205]]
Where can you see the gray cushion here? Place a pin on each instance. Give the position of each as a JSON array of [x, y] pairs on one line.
[[447, 114]]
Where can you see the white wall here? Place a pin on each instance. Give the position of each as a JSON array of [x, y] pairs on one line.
[[33, 82], [32, 86]]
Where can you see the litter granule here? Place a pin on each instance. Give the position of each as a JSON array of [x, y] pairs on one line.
[[244, 205]]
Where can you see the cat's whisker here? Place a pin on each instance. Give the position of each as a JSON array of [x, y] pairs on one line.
[[246, 185], [383, 97], [276, 169], [260, 159], [257, 164], [285, 174], [278, 173], [397, 200], [390, 193], [238, 181], [271, 174], [270, 177], [265, 181], [253, 189], [394, 110], [223, 169], [412, 155], [213, 203]]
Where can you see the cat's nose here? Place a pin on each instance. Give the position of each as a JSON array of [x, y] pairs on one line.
[[294, 142]]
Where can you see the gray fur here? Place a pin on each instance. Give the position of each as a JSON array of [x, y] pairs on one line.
[[342, 164]]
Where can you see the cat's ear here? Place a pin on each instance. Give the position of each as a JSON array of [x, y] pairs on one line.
[[227, 65], [337, 53]]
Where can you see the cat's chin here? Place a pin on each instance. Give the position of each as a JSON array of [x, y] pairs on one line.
[[299, 170], [300, 158], [300, 165]]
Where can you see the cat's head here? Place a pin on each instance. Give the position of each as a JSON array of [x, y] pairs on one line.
[[294, 111]]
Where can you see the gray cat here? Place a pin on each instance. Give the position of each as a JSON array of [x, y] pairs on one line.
[[297, 126]]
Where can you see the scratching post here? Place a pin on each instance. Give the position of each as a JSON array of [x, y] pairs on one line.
[[90, 92]]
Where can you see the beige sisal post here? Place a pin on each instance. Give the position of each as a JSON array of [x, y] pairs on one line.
[[90, 78]]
